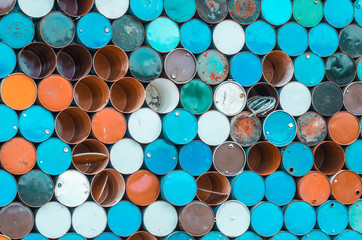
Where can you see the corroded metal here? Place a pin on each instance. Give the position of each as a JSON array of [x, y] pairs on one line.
[[311, 128]]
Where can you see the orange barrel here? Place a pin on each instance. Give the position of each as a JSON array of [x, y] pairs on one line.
[[346, 187], [229, 158], [108, 125], [278, 68], [343, 128], [142, 235], [18, 156], [75, 8], [263, 89], [18, 91], [91, 93], [245, 129], [328, 157], [311, 128], [55, 93], [3, 237], [313, 188]]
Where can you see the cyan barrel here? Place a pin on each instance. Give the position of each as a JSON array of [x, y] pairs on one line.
[[308, 12], [240, 69], [178, 235], [195, 35], [266, 219], [214, 236], [213, 66], [297, 159], [248, 188], [107, 236], [128, 33], [332, 217], [260, 37], [327, 98], [280, 188], [309, 69], [276, 13], [338, 13], [316, 235], [180, 10], [146, 11], [35, 236], [249, 236], [196, 96], [293, 39], [358, 12], [352, 156], [161, 157], [349, 235], [323, 40], [244, 12], [284, 236], [195, 158], [8, 189], [7, 60], [355, 216], [124, 218], [349, 40], [72, 236], [9, 123], [145, 64], [299, 217], [279, 128], [340, 69], [359, 68]]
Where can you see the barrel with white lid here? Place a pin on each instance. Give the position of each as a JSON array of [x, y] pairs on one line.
[[126, 156], [36, 9], [112, 9], [213, 128], [229, 98], [295, 98], [228, 37]]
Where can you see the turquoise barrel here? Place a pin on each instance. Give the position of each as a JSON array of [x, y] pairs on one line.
[[266, 219], [7, 60], [124, 218], [213, 66], [196, 96], [332, 217], [293, 39], [54, 156], [145, 64], [299, 217], [7, 6], [349, 235], [353, 155], [327, 98], [8, 188], [107, 236], [36, 124], [359, 69], [180, 10], [309, 69], [34, 236], [128, 33], [161, 157], [16, 30], [260, 37], [195, 158], [340, 69], [284, 236], [9, 123], [316, 235], [178, 235], [248, 188], [249, 236], [308, 12], [244, 12], [323, 40], [241, 66], [214, 236], [178, 188], [72, 236], [146, 10], [358, 12], [94, 30], [276, 13], [195, 36], [355, 216], [279, 188], [350, 38], [297, 159], [338, 13]]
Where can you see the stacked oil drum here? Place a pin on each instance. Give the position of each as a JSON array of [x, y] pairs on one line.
[[180, 119]]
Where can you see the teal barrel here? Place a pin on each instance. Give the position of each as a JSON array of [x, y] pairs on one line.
[[349, 235], [249, 236], [308, 12], [34, 236], [180, 10], [349, 40], [146, 10], [196, 96], [178, 235], [323, 40], [293, 39], [7, 60], [316, 235], [332, 217], [340, 69], [72, 236], [299, 217], [248, 188], [213, 66], [195, 158], [355, 216], [107, 236], [266, 219], [327, 98], [260, 37], [145, 64], [284, 236], [358, 12], [309, 69], [297, 159], [241, 64], [338, 13], [128, 33], [352, 156]]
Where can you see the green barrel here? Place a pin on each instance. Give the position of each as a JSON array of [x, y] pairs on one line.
[[196, 96], [308, 12]]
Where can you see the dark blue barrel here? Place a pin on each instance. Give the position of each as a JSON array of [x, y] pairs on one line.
[[244, 12], [293, 39], [145, 64], [195, 36], [353, 155], [34, 236], [146, 11], [349, 235], [338, 13], [161, 157], [323, 40], [178, 235], [195, 158], [107, 236], [355, 216], [249, 236], [277, 13], [214, 236], [309, 69], [340, 69], [297, 159], [350, 39], [260, 37], [284, 236], [9, 123], [280, 188], [248, 188], [8, 188], [299, 217], [266, 219], [7, 60], [327, 98], [72, 236], [332, 217], [316, 235], [240, 69], [180, 10], [127, 33]]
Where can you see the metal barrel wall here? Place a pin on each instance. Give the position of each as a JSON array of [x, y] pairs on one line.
[[181, 119]]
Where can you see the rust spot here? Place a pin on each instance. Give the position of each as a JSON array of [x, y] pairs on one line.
[[245, 130], [243, 8], [312, 128], [211, 3]]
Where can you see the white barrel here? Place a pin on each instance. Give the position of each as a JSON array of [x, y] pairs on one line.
[[162, 95], [72, 188], [213, 128], [112, 9], [230, 98], [233, 218], [89, 220], [53, 220], [126, 156], [144, 125], [295, 98], [160, 218], [36, 8], [228, 37]]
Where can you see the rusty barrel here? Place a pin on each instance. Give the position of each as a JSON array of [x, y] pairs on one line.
[[212, 66], [229, 158], [244, 11], [7, 6], [213, 188], [278, 68], [311, 128], [212, 12], [245, 136], [333, 152], [75, 8], [128, 33]]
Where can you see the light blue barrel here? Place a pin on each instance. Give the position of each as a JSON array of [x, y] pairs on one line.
[[145, 64], [214, 236], [353, 155], [248, 188], [107, 236], [260, 37], [8, 188], [323, 40], [293, 39], [161, 157], [178, 235], [246, 69], [349, 235], [34, 236], [316, 235], [266, 219], [359, 68], [72, 236], [179, 126], [124, 218], [9, 123], [358, 11], [297, 159], [36, 124], [7, 60], [355, 216], [180, 10], [195, 158], [284, 236], [195, 36], [332, 217], [54, 156], [279, 128], [338, 13], [94, 30], [279, 188], [299, 217], [178, 187], [276, 12], [146, 10], [16, 30], [309, 69], [249, 236]]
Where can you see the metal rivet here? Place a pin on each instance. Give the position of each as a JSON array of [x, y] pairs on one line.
[[106, 30], [185, 139], [15, 127], [24, 115], [231, 146], [148, 155], [66, 150], [290, 125], [316, 1], [173, 76], [187, 54], [177, 113], [80, 30], [41, 162], [307, 55], [174, 158], [59, 185], [267, 132], [47, 131], [298, 19]]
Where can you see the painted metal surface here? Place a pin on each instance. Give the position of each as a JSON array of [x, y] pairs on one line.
[[229, 158], [128, 33], [354, 216], [229, 98], [327, 98], [212, 11], [161, 157], [283, 235], [266, 219], [145, 64], [346, 69], [333, 152], [195, 158], [9, 123], [280, 188], [146, 11], [338, 13], [297, 159], [249, 236], [7, 60], [207, 131], [323, 40], [196, 96], [357, 12], [311, 128], [278, 68], [308, 13], [179, 235], [195, 35], [107, 236], [180, 10], [244, 11], [279, 128], [309, 69], [228, 37], [248, 188], [299, 217], [240, 66], [352, 155], [346, 187], [332, 217], [295, 98], [213, 66], [316, 235], [75, 8], [162, 95], [349, 40], [293, 39], [214, 235], [112, 9], [349, 234], [32, 236], [213, 188], [180, 66], [260, 37], [351, 100], [72, 236], [276, 13], [343, 128], [263, 158], [9, 188]]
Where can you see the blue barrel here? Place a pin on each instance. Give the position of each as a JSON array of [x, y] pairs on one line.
[[249, 236], [127, 33], [332, 217], [34, 236], [8, 188], [316, 235], [309, 69], [299, 217], [195, 36], [280, 188], [276, 12], [36, 124], [178, 235], [349, 235], [260, 37], [54, 156], [180, 10], [7, 60], [124, 218], [279, 128], [146, 10], [214, 236], [241, 66], [72, 236], [162, 34], [293, 39], [323, 40], [358, 11], [355, 216], [248, 188], [145, 64], [195, 158], [178, 187], [9, 123], [338, 13], [284, 236], [297, 159], [16, 30], [94, 30], [359, 68], [266, 219], [179, 126], [161, 157], [353, 155], [107, 236], [213, 67]]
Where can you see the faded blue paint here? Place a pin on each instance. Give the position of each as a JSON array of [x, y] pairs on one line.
[[180, 10], [35, 236], [107, 236], [284, 236], [161, 157], [266, 219], [299, 217], [7, 60], [359, 69], [248, 188], [297, 159], [72, 236], [276, 12], [309, 69], [195, 36], [196, 158], [146, 10], [9, 123], [332, 217], [323, 40], [293, 39], [128, 33], [179, 236], [338, 13], [349, 235], [240, 67], [213, 66], [145, 64], [260, 37], [244, 12], [280, 188], [214, 236], [8, 188], [358, 11], [249, 236], [353, 157], [316, 235], [355, 216]]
